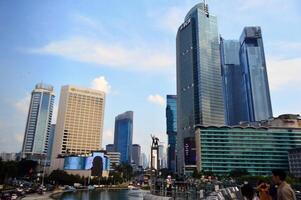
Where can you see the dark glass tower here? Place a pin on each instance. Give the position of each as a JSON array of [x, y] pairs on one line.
[[255, 88], [199, 82], [232, 81], [171, 130], [245, 80], [123, 136]]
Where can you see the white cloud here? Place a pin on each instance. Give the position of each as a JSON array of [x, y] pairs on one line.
[[100, 83], [108, 137], [19, 138], [111, 55], [156, 99], [172, 18], [284, 73], [22, 105]]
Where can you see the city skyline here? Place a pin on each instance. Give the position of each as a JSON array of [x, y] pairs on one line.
[[36, 55]]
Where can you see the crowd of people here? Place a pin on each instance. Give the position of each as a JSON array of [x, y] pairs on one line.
[[279, 190]]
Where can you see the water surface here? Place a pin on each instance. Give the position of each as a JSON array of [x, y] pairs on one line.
[[104, 195]]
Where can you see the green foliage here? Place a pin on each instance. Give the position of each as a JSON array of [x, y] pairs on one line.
[[61, 177], [125, 171], [8, 169]]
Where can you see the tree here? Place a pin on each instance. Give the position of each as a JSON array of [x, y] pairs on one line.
[[27, 167], [125, 170]]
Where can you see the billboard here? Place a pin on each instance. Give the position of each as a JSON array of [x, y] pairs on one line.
[[74, 163], [89, 160], [97, 165], [189, 151]]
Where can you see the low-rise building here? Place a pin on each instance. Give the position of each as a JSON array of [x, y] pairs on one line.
[[257, 148], [114, 159], [294, 160]]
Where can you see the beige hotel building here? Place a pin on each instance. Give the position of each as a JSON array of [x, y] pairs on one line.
[[79, 126]]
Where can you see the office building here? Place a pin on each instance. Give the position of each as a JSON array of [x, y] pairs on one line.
[[110, 148], [123, 136], [294, 160], [136, 154], [79, 126], [256, 93], [256, 147], [9, 156], [114, 159], [144, 161], [245, 81], [199, 82], [50, 143], [38, 126], [232, 82], [171, 130]]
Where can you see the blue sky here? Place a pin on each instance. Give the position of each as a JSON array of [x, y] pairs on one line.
[[128, 49]]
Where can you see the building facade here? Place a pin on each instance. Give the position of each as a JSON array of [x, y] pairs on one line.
[[171, 130], [123, 136], [199, 83], [79, 126], [245, 81], [294, 160], [9, 156], [255, 86], [110, 148], [136, 154], [257, 149], [232, 81], [50, 143], [114, 159], [38, 126]]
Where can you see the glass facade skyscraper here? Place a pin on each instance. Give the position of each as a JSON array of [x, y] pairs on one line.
[[123, 136], [199, 83], [232, 81], [38, 126], [256, 102], [171, 130], [245, 81]]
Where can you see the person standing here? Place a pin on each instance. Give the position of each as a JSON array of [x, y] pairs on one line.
[[284, 191], [263, 189]]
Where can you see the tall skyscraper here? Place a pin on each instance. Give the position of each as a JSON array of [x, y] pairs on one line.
[[232, 81], [199, 83], [245, 81], [123, 136], [110, 148], [144, 161], [79, 124], [136, 153], [171, 130], [38, 121], [257, 101], [50, 143]]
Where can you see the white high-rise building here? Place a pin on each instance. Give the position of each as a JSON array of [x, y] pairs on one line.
[[79, 125]]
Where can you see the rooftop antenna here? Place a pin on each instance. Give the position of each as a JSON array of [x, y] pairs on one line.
[[206, 8]]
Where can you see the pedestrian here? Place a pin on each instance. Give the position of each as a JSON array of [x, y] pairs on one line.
[[248, 192], [284, 190], [263, 190]]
